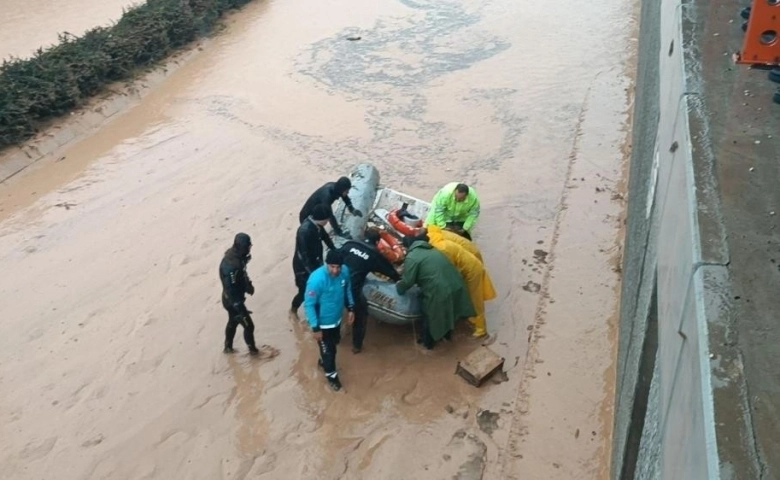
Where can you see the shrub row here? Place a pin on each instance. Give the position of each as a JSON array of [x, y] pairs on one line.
[[55, 81]]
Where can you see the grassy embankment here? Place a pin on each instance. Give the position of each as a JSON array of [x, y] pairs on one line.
[[55, 81]]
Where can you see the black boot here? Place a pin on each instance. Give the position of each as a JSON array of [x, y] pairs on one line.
[[334, 383], [426, 342], [228, 350], [253, 350]]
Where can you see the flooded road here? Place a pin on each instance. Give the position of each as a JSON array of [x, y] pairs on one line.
[[32, 24], [111, 332]]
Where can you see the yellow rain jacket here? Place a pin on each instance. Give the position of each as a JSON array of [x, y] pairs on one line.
[[473, 272], [437, 233]]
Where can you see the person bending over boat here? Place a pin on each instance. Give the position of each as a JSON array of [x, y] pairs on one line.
[[363, 258], [473, 272], [445, 298], [308, 251], [326, 195], [456, 208]]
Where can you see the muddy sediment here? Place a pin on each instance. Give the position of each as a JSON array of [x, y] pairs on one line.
[[112, 327]]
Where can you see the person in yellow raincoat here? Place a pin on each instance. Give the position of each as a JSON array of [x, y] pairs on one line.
[[439, 233], [471, 269]]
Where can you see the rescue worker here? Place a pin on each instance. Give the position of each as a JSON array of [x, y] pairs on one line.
[[456, 208], [363, 258], [445, 297], [308, 251], [436, 233], [473, 272], [326, 195], [328, 292], [235, 285]]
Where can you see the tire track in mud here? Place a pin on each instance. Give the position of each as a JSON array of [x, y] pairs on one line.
[[517, 429]]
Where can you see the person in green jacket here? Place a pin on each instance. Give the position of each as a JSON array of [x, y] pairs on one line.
[[445, 296], [456, 208]]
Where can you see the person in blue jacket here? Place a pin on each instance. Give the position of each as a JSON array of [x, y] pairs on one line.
[[328, 292]]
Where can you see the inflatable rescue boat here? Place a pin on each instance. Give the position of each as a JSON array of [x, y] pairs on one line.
[[396, 215]]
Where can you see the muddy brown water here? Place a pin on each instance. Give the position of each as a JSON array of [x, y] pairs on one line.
[[32, 24], [111, 327]]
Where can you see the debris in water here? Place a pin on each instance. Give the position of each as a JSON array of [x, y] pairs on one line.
[[487, 421], [354, 38], [500, 377], [95, 441], [540, 256], [532, 287]]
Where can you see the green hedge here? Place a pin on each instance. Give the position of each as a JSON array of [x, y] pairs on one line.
[[55, 81]]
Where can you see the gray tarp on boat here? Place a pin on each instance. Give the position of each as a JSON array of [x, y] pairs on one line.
[[384, 303]]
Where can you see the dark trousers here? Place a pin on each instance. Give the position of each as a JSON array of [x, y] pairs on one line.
[[361, 319], [463, 234], [300, 282], [236, 318], [330, 339], [424, 338]]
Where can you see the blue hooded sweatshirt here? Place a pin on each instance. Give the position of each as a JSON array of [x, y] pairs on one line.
[[326, 297]]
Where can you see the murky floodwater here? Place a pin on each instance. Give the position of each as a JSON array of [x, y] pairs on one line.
[[111, 331], [32, 24]]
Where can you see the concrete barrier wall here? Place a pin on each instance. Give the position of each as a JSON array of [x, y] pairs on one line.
[[664, 429], [686, 418], [637, 333]]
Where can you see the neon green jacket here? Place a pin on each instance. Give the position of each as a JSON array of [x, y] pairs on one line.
[[444, 208]]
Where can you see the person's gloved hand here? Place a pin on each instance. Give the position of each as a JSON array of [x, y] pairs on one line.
[[357, 212], [250, 289]]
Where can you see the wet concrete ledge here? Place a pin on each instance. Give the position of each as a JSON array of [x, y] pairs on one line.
[[733, 126], [694, 397]]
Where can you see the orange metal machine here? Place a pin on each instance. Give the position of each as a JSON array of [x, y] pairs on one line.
[[762, 45]]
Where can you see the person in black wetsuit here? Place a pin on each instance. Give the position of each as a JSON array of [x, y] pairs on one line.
[[326, 195], [235, 285], [363, 258], [307, 258]]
